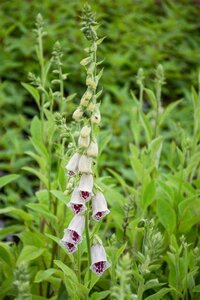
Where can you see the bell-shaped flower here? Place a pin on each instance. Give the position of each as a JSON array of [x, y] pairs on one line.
[[99, 259], [83, 141], [99, 207], [93, 149], [68, 243], [72, 166], [96, 116], [86, 186], [77, 115], [76, 204], [85, 131], [75, 229], [85, 164]]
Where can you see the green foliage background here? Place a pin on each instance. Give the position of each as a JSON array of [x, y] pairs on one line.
[[139, 34]]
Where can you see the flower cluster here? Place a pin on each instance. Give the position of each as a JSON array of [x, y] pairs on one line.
[[80, 165]]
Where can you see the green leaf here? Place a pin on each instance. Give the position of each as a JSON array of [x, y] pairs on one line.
[[6, 255], [37, 174], [147, 126], [7, 179], [152, 98], [16, 212], [71, 281], [86, 61], [42, 210], [10, 230], [43, 275], [166, 215], [149, 194], [60, 196], [33, 91], [99, 295], [196, 289], [29, 253], [159, 295], [167, 110]]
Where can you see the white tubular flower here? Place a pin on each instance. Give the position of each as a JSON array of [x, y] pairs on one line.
[[85, 164], [84, 141], [72, 166], [85, 131], [77, 115], [99, 207], [86, 186], [93, 149], [91, 106], [86, 98], [76, 204], [75, 229], [68, 243], [99, 259], [96, 117]]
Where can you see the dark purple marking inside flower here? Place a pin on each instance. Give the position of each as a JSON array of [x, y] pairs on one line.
[[99, 215], [85, 195], [75, 236], [100, 267], [70, 247], [71, 173], [77, 208]]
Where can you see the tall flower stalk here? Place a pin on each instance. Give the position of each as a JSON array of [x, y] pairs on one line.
[[80, 167]]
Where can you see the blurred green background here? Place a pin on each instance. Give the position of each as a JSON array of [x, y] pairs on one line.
[[138, 34]]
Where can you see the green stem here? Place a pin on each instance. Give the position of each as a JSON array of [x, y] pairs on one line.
[[158, 97], [61, 90], [141, 97], [79, 264], [41, 61], [88, 245], [140, 290]]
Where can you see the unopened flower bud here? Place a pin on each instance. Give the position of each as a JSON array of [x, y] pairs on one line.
[[86, 97], [83, 141], [91, 107], [85, 164], [85, 131], [77, 115], [93, 149], [91, 82]]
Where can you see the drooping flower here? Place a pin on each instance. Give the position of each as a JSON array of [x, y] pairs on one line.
[[83, 141], [74, 231], [72, 166], [77, 115], [93, 149], [99, 207], [68, 243], [96, 116], [85, 164], [76, 204], [86, 186], [99, 259], [85, 131]]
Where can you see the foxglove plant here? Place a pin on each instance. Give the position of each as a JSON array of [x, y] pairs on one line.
[[80, 165]]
